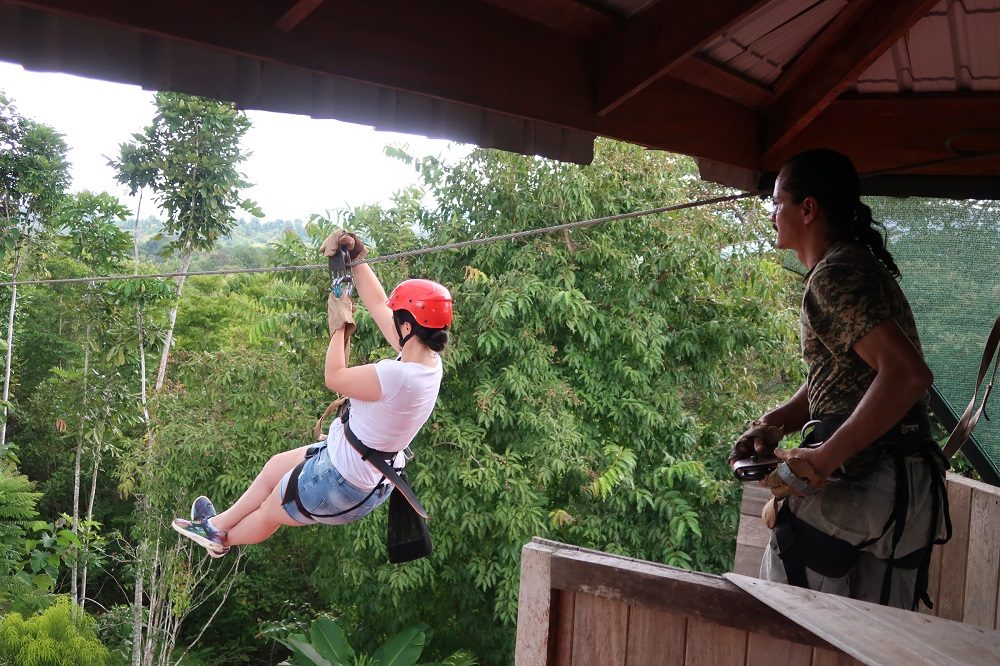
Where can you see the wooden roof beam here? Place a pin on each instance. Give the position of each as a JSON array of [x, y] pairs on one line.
[[291, 14], [654, 41], [829, 68]]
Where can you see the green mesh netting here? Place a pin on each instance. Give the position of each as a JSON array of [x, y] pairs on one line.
[[948, 252]]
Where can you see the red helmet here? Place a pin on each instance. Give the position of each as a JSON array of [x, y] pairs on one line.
[[429, 302]]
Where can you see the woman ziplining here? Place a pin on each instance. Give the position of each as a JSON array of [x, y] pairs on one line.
[[344, 478]]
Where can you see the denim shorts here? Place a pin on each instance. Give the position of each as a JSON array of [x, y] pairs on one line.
[[324, 491]]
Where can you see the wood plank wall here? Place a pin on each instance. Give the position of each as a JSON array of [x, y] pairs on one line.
[[583, 608], [965, 573]]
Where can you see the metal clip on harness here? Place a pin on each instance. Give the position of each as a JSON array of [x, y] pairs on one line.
[[340, 274]]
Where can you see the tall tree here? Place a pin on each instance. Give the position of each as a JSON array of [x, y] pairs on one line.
[[33, 180], [94, 239], [189, 158]]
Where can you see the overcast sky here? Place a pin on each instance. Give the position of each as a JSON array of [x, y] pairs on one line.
[[299, 165]]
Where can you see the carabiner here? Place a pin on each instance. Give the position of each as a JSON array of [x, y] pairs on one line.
[[340, 274]]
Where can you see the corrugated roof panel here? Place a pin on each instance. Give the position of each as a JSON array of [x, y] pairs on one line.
[[932, 61], [881, 78], [980, 23], [955, 47], [764, 44]]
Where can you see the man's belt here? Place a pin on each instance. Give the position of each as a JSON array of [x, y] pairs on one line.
[[906, 437]]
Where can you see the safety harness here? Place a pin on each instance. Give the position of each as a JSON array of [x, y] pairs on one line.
[[381, 460], [407, 536], [801, 546]]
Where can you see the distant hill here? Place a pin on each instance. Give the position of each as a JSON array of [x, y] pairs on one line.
[[246, 246]]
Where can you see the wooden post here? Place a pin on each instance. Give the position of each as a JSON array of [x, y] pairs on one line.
[[535, 605]]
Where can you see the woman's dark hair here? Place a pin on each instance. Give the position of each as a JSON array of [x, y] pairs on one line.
[[830, 178], [434, 338]]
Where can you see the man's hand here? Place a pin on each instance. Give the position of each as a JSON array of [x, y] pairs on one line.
[[759, 439], [340, 315], [796, 475], [355, 247]]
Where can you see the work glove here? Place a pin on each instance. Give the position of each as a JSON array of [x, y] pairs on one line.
[[355, 247], [795, 476], [759, 438], [340, 315]]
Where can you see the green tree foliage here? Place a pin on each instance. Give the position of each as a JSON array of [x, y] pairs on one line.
[[591, 393], [189, 157], [33, 179], [51, 638], [327, 645], [17, 511]]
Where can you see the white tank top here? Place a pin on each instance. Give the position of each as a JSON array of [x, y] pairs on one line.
[[409, 392]]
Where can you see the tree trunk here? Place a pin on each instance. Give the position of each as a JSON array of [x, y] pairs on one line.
[[90, 504], [90, 518], [10, 342], [172, 319], [137, 605], [76, 466], [10, 350]]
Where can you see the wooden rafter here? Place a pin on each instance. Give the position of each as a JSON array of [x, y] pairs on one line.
[[654, 41], [895, 133], [293, 13], [569, 17], [833, 66], [702, 73]]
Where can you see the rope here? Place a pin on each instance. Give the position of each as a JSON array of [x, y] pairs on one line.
[[397, 255]]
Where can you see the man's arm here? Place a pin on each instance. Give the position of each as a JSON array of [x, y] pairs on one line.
[[902, 379], [792, 414]]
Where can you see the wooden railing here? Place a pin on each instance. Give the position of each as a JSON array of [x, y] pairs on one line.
[[965, 572], [587, 608]]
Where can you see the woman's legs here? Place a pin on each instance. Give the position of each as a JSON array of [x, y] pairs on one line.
[[261, 491], [262, 523]]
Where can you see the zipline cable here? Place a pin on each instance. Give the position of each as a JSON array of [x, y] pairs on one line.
[[397, 255]]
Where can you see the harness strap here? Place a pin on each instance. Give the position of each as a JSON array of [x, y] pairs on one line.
[[292, 490], [963, 430], [375, 458], [789, 551], [900, 508], [802, 546]]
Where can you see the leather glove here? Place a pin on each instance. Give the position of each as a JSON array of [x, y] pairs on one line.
[[759, 438], [340, 315], [795, 476], [355, 247]]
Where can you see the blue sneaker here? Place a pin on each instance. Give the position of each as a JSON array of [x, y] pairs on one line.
[[202, 534], [202, 508]]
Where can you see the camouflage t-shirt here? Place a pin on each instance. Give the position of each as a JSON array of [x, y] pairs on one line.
[[847, 294]]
